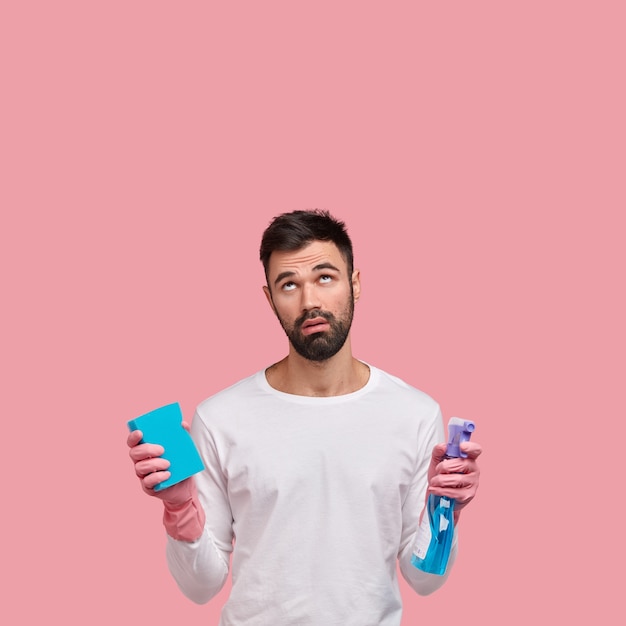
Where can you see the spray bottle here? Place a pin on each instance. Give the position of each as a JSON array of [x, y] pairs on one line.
[[434, 536]]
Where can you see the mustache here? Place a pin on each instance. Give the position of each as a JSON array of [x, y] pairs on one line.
[[310, 315]]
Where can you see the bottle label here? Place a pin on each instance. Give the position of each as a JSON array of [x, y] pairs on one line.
[[422, 541]]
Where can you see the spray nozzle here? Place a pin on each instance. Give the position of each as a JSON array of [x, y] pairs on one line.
[[458, 431]]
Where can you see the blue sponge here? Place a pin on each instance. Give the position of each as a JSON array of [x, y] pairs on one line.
[[164, 427]]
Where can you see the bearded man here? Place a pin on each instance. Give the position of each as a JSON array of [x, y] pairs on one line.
[[317, 467]]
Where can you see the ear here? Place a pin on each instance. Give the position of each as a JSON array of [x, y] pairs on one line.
[[356, 284], [268, 295]]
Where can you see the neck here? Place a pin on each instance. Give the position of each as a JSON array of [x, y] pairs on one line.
[[337, 376]]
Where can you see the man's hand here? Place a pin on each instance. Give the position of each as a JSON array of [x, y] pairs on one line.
[[152, 469], [183, 516], [457, 477]]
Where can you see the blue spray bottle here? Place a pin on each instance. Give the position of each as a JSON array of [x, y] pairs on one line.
[[434, 536]]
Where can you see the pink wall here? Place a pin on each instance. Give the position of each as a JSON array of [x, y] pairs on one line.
[[476, 151]]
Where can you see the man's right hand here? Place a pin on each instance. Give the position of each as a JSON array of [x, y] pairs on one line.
[[183, 516], [150, 466]]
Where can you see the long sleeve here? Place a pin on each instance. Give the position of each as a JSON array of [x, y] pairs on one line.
[[200, 568]]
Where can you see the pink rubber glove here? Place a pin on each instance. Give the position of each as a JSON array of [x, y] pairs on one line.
[[183, 516], [455, 478]]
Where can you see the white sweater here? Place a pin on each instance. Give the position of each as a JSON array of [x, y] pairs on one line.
[[316, 498]]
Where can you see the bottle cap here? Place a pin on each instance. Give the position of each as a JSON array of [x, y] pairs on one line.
[[458, 431]]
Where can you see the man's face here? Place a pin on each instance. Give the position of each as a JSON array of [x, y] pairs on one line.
[[313, 297]]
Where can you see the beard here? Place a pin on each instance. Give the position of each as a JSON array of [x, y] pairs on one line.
[[325, 344]]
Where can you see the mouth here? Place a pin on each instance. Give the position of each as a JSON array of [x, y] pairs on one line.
[[315, 325]]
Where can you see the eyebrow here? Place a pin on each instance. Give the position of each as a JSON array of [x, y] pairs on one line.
[[317, 268]]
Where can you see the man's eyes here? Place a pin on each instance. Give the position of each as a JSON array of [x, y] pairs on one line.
[[325, 279]]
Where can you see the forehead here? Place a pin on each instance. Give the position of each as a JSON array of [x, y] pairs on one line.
[[306, 258]]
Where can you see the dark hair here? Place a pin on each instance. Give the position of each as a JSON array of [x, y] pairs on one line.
[[292, 231]]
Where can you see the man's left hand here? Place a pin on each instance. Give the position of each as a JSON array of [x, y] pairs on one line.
[[456, 477]]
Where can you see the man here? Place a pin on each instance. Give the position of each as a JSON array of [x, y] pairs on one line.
[[317, 468]]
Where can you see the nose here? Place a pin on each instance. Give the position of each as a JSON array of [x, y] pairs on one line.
[[310, 298]]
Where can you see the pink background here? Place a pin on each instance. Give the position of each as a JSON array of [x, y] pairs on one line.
[[476, 151]]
